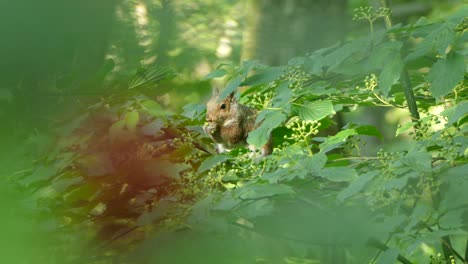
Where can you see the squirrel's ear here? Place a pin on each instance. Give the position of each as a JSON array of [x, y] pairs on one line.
[[215, 91], [232, 97]]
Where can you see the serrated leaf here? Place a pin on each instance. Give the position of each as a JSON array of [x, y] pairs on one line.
[[356, 186], [283, 95], [153, 108], [193, 111], [418, 160], [256, 191], [390, 74], [456, 112], [271, 120], [338, 174], [150, 77], [383, 53], [446, 74], [336, 57], [264, 76], [435, 37], [396, 183], [212, 161], [336, 140], [231, 86], [368, 131], [315, 163], [389, 256], [153, 128], [215, 74], [316, 110]]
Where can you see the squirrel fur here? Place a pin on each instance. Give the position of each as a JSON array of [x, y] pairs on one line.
[[229, 123]]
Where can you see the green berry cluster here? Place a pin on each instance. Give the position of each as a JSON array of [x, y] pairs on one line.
[[386, 160], [370, 82], [439, 259], [261, 100], [424, 127], [368, 13], [352, 145], [302, 129], [186, 142], [297, 76]]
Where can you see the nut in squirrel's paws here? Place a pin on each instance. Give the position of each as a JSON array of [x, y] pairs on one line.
[[210, 128]]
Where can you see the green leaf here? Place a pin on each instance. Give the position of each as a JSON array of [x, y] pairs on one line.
[[84, 192], [418, 160], [456, 112], [446, 74], [336, 140], [41, 173], [117, 130], [212, 162], [316, 110], [131, 120], [153, 108], [436, 37], [368, 131], [231, 86], [193, 111], [283, 95], [336, 57], [215, 74], [256, 191], [153, 128], [264, 76], [338, 174], [356, 186], [160, 210], [396, 183], [150, 77], [390, 74], [383, 53], [404, 128], [315, 163], [271, 120], [389, 256]]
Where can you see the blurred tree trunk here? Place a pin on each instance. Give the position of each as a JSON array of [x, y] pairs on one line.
[[167, 31], [278, 30], [47, 46]]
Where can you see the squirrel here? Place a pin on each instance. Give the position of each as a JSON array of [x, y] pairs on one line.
[[228, 123]]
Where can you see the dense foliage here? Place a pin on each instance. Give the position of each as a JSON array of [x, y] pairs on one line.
[[130, 182]]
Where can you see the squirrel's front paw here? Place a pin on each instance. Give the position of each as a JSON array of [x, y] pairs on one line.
[[210, 128]]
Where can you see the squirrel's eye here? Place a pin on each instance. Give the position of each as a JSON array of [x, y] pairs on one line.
[[223, 106]]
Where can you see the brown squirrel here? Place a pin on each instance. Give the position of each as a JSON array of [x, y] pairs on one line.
[[229, 123]]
